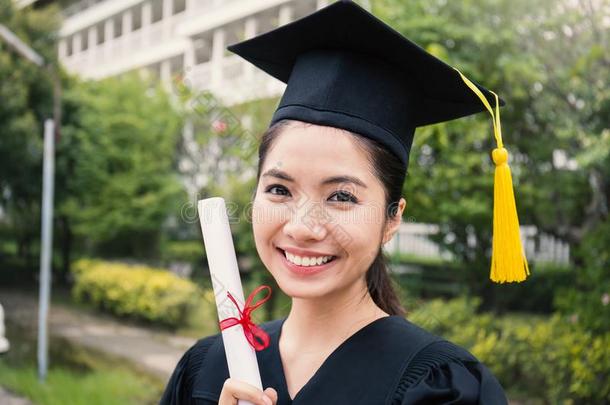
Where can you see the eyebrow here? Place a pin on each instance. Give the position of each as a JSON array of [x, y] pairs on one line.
[[330, 180]]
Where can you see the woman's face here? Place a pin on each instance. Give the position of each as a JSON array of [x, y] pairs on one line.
[[317, 197]]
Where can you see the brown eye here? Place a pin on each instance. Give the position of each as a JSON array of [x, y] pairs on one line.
[[344, 196], [274, 186]]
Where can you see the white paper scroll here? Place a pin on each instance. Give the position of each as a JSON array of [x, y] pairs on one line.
[[241, 356]]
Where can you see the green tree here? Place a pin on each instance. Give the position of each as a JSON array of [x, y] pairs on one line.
[[25, 101], [546, 60], [116, 176]]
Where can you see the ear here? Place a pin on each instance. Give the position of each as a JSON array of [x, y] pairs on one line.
[[394, 223]]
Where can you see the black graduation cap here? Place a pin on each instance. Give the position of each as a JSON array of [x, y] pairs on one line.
[[346, 68]]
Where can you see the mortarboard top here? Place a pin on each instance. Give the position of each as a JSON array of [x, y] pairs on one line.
[[345, 68]]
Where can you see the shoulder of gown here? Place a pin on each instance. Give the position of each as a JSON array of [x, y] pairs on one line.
[[180, 385], [444, 373]]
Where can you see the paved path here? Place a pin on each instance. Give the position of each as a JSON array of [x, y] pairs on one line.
[[8, 398], [156, 352]]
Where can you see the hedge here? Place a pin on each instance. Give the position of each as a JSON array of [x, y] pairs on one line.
[[549, 358], [134, 291]]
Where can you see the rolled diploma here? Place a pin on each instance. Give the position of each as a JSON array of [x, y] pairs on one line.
[[241, 356]]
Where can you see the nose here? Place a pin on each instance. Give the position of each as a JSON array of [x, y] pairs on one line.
[[307, 222]]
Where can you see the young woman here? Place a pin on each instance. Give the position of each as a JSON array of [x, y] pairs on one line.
[[328, 197]]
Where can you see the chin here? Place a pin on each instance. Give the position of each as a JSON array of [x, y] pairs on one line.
[[304, 289]]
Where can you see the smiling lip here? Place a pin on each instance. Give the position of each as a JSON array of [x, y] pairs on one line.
[[306, 271], [303, 253]]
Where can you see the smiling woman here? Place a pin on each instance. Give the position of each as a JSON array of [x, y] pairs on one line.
[[341, 199], [328, 197]]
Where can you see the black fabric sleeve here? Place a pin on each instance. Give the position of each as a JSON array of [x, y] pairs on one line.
[[180, 385], [444, 373]]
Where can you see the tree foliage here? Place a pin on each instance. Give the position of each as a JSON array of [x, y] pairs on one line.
[[546, 60], [116, 174], [25, 102]]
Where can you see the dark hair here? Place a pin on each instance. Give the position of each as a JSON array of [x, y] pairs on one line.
[[390, 171]]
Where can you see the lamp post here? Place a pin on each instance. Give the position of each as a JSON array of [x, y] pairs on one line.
[[51, 134]]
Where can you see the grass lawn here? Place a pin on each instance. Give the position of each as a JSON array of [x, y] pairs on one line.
[[65, 386], [76, 375]]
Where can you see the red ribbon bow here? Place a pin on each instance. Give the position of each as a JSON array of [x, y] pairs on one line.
[[251, 330]]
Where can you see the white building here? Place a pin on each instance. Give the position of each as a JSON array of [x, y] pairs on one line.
[[184, 39]]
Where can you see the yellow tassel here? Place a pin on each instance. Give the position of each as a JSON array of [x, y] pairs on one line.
[[508, 261]]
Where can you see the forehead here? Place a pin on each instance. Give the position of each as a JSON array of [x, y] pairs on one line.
[[313, 149]]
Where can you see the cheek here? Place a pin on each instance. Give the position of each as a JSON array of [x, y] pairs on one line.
[[267, 220], [358, 232], [260, 221]]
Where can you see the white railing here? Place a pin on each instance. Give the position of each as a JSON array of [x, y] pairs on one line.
[[414, 239], [125, 46]]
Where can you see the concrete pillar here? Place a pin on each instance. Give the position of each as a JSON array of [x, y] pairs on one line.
[[168, 8], [62, 48], [218, 45], [108, 30], [168, 11], [251, 25], [77, 43], [92, 46], [190, 6], [146, 14], [108, 38], [166, 74], [188, 63], [92, 38], [146, 21], [127, 22], [189, 55], [285, 14]]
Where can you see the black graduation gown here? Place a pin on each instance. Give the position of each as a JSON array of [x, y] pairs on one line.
[[389, 361]]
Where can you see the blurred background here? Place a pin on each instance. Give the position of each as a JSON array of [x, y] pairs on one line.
[[153, 114]]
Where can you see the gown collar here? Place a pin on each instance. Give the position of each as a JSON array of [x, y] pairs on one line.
[[365, 368]]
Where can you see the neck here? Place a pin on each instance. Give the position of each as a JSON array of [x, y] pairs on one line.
[[314, 324]]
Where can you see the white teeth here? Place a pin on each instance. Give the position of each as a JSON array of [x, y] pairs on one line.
[[306, 261]]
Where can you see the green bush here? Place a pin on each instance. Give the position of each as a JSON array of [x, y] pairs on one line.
[[587, 300], [590, 308], [537, 357], [137, 292]]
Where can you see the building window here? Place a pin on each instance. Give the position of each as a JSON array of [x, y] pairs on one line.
[[118, 26], [101, 35], [303, 8], [203, 49], [176, 66], [267, 20], [136, 17], [69, 48], [234, 32], [84, 38], [179, 6], [157, 10]]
